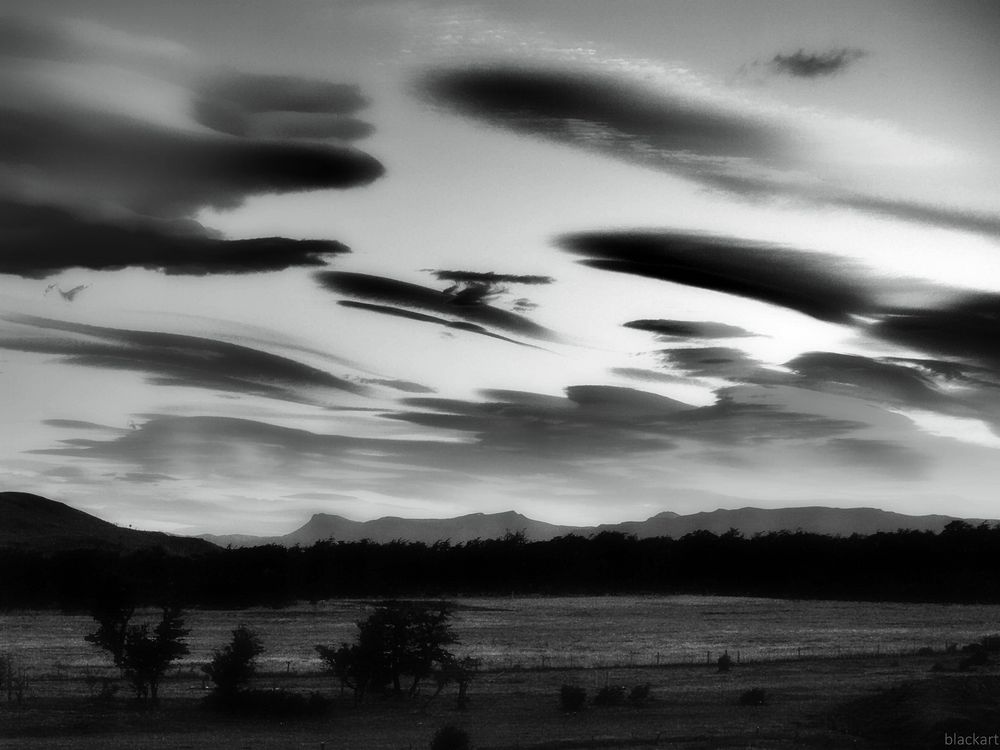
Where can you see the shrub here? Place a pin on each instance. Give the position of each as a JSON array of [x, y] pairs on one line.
[[925, 651], [755, 697], [572, 697], [610, 695], [450, 737], [640, 696], [725, 662], [233, 665]]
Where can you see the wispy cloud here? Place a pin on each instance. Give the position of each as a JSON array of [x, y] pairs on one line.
[[802, 64], [688, 329], [446, 306], [179, 360], [719, 142]]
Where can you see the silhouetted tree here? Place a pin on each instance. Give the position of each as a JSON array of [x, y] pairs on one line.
[[112, 609], [233, 665], [399, 639], [148, 655], [459, 671], [143, 654]]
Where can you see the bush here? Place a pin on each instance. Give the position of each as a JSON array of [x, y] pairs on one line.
[[640, 696], [925, 651], [755, 697], [725, 662], [450, 737], [233, 665], [572, 697], [610, 695]]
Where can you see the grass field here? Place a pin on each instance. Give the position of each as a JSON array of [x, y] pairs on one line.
[[813, 703], [552, 631]]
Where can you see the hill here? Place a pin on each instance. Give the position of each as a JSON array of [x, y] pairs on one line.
[[749, 521], [31, 522], [427, 530]]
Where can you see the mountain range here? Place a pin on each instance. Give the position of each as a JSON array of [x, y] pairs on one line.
[[748, 521], [32, 522]]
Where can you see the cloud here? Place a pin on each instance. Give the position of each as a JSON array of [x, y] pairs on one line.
[[602, 112], [407, 386], [865, 377], [820, 285], [156, 171], [41, 240], [713, 361], [613, 420], [719, 141], [180, 360], [878, 456], [802, 64], [966, 329], [688, 329], [110, 143], [265, 106], [404, 294], [488, 277], [433, 319], [477, 287]]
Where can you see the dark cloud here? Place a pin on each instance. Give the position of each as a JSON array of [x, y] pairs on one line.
[[709, 143], [180, 360], [820, 285], [433, 319], [649, 376], [275, 93], [405, 294], [36, 241], [951, 372], [479, 287], [283, 107], [967, 329], [713, 361], [405, 386], [865, 377], [488, 277], [804, 64], [287, 125], [688, 329], [76, 424], [147, 170], [140, 477], [601, 112], [623, 402], [156, 171]]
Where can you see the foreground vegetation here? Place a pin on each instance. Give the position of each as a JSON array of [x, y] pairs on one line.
[[957, 565], [832, 703]]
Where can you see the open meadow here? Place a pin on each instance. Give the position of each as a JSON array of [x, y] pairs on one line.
[[811, 660]]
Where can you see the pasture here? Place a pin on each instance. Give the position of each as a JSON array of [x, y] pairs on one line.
[[811, 658]]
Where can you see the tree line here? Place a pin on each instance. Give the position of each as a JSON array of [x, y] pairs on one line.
[[959, 564]]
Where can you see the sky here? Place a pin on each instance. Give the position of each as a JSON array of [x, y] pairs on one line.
[[584, 260]]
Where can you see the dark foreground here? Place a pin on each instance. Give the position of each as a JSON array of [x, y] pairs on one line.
[[869, 702]]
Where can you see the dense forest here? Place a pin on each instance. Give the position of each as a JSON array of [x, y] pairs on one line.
[[960, 564]]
